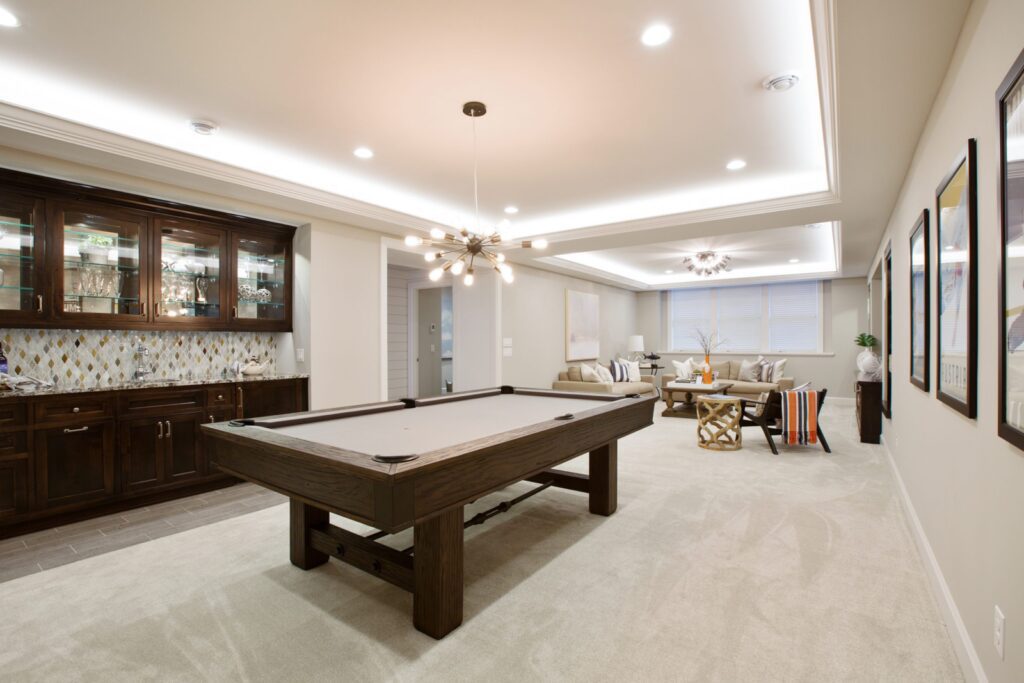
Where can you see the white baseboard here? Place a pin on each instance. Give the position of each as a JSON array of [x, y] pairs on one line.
[[970, 663]]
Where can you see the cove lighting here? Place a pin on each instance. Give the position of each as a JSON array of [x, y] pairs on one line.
[[511, 209], [363, 152], [655, 35], [8, 20], [736, 164]]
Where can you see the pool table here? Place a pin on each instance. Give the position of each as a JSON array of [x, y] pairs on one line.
[[417, 462]]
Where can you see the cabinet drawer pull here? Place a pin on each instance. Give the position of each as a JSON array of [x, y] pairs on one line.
[[220, 397], [156, 309], [212, 420], [76, 409], [69, 430], [39, 303], [168, 429], [160, 430], [234, 311]]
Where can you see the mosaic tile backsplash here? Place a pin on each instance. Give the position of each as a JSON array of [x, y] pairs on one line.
[[93, 358]]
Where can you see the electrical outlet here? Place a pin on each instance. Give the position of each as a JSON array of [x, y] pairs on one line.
[[300, 355], [999, 633]]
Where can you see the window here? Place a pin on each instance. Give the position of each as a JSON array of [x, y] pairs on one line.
[[793, 317], [754, 319], [738, 312], [690, 311]]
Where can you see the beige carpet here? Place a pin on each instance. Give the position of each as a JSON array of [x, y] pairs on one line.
[[717, 567]]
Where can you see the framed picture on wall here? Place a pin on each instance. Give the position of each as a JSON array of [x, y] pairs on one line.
[[920, 302], [582, 328], [956, 300], [1010, 101]]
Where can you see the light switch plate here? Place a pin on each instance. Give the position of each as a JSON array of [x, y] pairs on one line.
[[300, 355]]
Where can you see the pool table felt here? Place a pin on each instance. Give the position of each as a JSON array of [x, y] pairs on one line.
[[433, 427]]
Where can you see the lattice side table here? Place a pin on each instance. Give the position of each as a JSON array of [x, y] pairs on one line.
[[718, 422]]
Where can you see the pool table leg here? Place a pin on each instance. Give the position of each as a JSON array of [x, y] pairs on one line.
[[604, 479], [437, 565], [304, 518]]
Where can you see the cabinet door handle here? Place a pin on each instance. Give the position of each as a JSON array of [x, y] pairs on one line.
[[212, 420], [39, 303], [234, 311], [241, 398], [143, 308], [220, 397], [160, 430], [69, 430], [168, 429], [156, 309]]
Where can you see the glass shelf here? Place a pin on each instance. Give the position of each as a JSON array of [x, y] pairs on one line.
[[187, 304], [72, 297], [261, 260], [20, 226], [188, 251], [17, 256], [90, 264], [106, 233], [259, 303], [16, 288], [276, 283]]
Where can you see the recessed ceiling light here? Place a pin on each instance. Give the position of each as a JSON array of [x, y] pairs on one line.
[[511, 209], [655, 35], [363, 152], [669, 272], [7, 19], [794, 260], [736, 164], [781, 82], [203, 127]]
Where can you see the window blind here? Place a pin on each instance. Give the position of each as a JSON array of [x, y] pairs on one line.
[[690, 310], [738, 313], [793, 317]]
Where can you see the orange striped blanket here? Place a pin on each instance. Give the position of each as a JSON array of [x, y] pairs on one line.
[[799, 417]]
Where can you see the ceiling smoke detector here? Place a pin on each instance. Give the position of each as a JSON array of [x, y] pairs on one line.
[[781, 82], [203, 127]]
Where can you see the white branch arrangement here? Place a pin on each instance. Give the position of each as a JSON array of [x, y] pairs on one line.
[[709, 341]]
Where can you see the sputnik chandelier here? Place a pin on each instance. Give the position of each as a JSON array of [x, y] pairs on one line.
[[707, 263], [463, 252]]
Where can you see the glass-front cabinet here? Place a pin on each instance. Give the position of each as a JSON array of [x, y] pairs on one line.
[[189, 289], [262, 292], [102, 266], [22, 298]]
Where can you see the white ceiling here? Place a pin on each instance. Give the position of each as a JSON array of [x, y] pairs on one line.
[[587, 127]]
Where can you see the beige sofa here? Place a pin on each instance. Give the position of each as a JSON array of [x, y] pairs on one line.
[[729, 370], [571, 380]]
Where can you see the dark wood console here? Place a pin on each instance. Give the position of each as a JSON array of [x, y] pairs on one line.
[[869, 411]]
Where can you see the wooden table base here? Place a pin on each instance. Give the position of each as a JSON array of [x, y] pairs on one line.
[[718, 424]]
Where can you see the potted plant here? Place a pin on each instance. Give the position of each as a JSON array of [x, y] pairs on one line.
[[708, 343], [868, 362]]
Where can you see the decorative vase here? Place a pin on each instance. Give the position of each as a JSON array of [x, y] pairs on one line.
[[706, 376], [870, 366]]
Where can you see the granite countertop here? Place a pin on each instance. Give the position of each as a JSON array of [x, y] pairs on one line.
[[148, 384]]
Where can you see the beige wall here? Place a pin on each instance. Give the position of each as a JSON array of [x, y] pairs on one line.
[[845, 315], [965, 483], [533, 316], [337, 303]]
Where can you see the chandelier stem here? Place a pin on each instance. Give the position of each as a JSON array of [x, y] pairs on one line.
[[476, 196]]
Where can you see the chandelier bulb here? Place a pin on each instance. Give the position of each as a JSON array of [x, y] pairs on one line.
[[500, 257], [458, 267], [438, 233], [413, 241], [468, 280], [540, 244], [436, 274], [430, 256]]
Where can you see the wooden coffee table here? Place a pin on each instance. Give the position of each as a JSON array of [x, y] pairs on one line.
[[680, 397]]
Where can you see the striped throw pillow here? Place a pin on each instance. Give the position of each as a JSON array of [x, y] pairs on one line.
[[620, 371]]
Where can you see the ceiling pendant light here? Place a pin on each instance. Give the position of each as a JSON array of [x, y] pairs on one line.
[[707, 263], [460, 251]]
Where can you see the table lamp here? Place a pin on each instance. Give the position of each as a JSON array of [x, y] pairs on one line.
[[635, 346]]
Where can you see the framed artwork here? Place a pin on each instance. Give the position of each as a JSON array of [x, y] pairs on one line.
[[582, 331], [920, 302], [1010, 101], [956, 219]]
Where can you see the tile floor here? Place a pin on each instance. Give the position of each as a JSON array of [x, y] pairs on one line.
[[51, 548]]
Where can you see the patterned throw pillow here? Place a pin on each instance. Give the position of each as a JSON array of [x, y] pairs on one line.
[[620, 371]]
